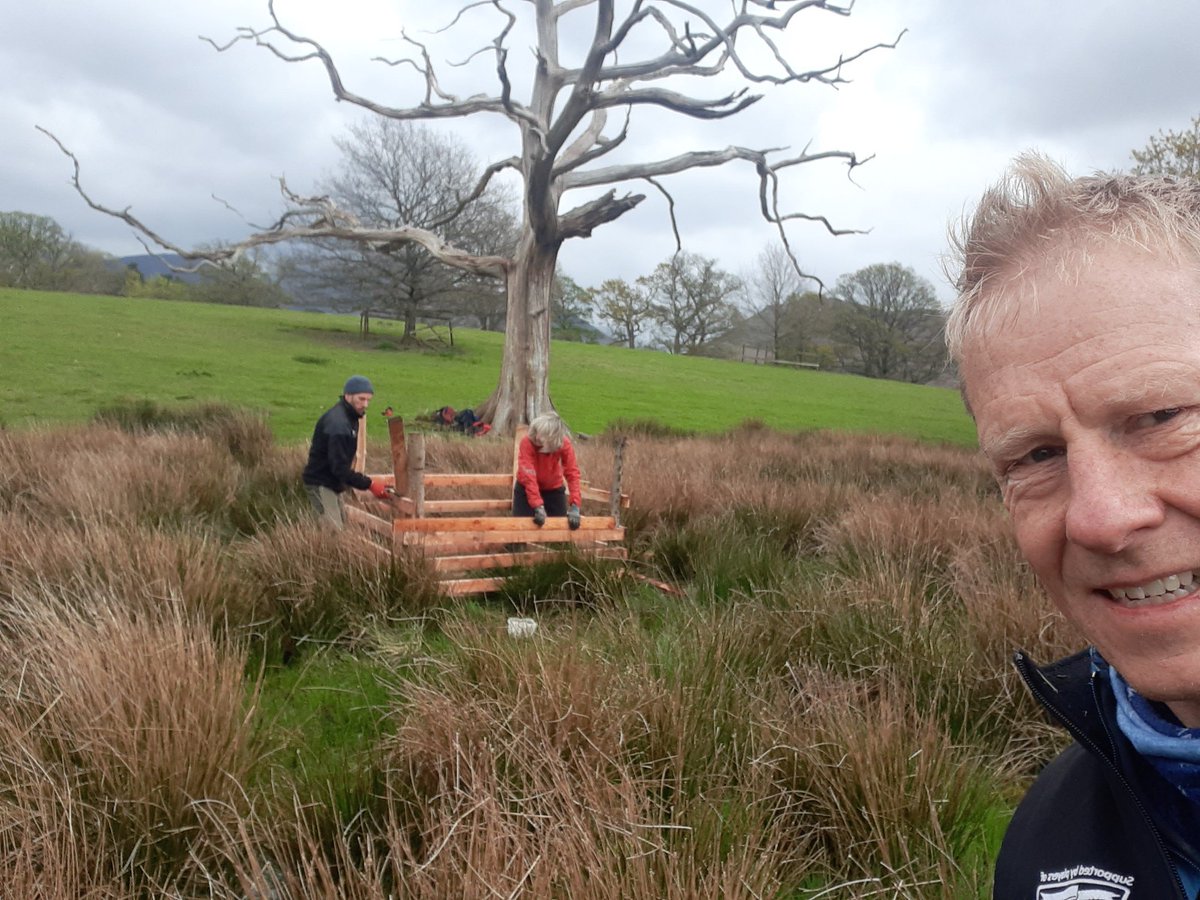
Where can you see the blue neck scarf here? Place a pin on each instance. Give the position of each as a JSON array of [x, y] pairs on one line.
[[1172, 749]]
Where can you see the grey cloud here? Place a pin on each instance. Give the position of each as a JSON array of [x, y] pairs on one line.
[[162, 121]]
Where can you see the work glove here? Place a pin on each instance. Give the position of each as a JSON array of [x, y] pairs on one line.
[[378, 488], [573, 516], [539, 516]]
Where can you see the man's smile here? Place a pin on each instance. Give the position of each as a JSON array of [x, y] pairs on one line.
[[1157, 591]]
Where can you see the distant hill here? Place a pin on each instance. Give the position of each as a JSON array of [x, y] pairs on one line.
[[154, 266]]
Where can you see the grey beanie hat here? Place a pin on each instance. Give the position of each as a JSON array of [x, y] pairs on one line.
[[358, 384]]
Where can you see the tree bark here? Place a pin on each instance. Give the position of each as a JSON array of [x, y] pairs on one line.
[[524, 388], [410, 320]]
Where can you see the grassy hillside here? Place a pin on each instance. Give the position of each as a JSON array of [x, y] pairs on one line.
[[63, 356]]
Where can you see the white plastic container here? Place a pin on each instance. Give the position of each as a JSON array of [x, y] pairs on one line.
[[521, 627]]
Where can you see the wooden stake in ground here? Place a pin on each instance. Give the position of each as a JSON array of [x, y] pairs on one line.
[[614, 502], [521, 431], [360, 455], [416, 473], [399, 456]]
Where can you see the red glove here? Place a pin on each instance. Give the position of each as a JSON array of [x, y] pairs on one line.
[[379, 489]]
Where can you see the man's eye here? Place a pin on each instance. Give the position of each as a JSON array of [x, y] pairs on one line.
[[1042, 454], [1034, 457], [1158, 417]]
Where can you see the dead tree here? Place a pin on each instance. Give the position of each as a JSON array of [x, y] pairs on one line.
[[565, 135]]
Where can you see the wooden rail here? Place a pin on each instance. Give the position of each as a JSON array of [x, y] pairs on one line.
[[458, 537]]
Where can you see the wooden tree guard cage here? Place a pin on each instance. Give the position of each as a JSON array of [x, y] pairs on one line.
[[462, 537]]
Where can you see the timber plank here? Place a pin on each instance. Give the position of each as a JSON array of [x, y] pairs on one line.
[[467, 479], [492, 560], [547, 535], [603, 495], [519, 558], [461, 586], [458, 506], [507, 524], [368, 521]]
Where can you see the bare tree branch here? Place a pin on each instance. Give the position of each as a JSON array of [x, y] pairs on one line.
[[686, 54], [583, 219], [670, 213], [480, 186], [309, 218], [582, 145], [561, 9], [692, 160], [599, 148], [424, 68], [720, 108], [456, 108]]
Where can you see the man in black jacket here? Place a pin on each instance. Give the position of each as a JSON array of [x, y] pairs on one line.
[[331, 455], [1077, 334]]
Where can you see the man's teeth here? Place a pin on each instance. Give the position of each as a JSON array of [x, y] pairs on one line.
[[1172, 587]]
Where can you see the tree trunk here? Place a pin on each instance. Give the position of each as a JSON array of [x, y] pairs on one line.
[[524, 388], [410, 319]]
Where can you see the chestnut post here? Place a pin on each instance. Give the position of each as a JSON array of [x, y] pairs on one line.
[[518, 435], [399, 456], [360, 454], [614, 502], [416, 474]]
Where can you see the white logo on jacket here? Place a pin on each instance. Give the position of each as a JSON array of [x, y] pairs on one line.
[[1086, 889]]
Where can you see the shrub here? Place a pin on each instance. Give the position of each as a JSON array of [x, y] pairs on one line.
[[243, 433]]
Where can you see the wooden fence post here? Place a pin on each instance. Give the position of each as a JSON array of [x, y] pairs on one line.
[[399, 456], [360, 453], [416, 474], [521, 431], [614, 502]]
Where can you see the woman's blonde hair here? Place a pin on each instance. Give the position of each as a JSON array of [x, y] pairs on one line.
[[547, 431]]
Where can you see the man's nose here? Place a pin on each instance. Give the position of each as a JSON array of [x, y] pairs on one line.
[[1112, 498]]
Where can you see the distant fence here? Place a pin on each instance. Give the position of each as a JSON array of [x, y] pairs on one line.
[[765, 356], [423, 322]]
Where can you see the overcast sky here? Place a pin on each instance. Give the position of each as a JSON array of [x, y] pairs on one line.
[[161, 122]]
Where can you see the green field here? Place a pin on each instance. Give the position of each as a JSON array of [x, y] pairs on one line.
[[64, 356]]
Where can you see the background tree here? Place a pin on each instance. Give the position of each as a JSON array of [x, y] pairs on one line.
[[32, 249], [691, 300], [1171, 153], [570, 309], [395, 173], [624, 308], [893, 322], [643, 57], [244, 281], [772, 286], [36, 253], [807, 325]]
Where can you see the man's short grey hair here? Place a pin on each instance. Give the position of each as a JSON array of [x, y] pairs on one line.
[[1037, 210], [548, 432]]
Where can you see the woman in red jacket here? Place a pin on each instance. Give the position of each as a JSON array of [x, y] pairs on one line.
[[547, 474]]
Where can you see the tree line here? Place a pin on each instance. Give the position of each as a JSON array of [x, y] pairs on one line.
[[36, 253], [883, 321]]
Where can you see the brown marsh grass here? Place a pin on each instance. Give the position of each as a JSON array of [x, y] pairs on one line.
[[827, 712]]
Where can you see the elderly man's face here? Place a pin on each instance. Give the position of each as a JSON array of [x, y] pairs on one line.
[[1088, 408]]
